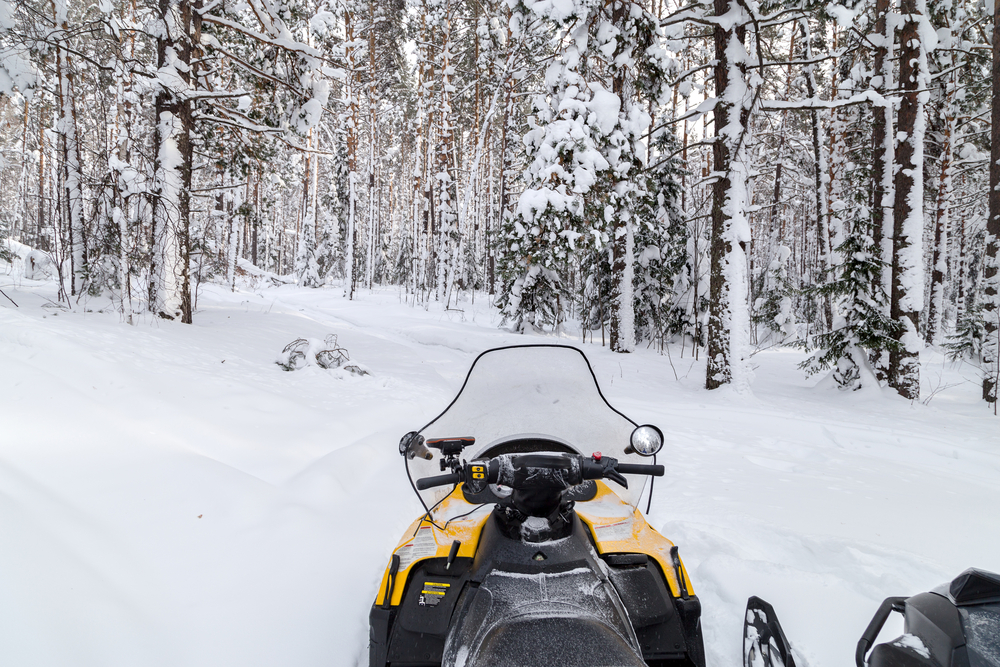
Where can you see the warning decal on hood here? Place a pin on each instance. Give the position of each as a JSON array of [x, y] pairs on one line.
[[619, 531], [421, 546]]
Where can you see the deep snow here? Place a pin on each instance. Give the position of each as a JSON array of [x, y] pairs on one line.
[[169, 496]]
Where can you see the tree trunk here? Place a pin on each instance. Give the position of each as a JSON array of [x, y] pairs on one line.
[[170, 287], [939, 260], [446, 146], [958, 277], [991, 263], [305, 261], [908, 220], [40, 212], [506, 130], [124, 119], [72, 164], [373, 202], [728, 319], [622, 269], [352, 155], [820, 204], [419, 255], [882, 161]]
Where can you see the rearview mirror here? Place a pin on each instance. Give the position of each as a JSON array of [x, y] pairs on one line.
[[646, 440], [412, 445]]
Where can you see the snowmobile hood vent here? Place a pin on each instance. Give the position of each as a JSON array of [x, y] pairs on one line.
[[975, 587]]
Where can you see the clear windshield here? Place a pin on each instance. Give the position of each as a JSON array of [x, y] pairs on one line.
[[533, 391]]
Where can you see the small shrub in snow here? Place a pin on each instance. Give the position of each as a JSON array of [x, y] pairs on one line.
[[39, 266], [325, 353]]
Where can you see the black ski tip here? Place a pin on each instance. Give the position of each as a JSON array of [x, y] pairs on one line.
[[764, 642]]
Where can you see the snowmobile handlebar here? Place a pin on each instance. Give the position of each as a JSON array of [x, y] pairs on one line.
[[527, 471], [888, 606], [439, 480], [640, 469]]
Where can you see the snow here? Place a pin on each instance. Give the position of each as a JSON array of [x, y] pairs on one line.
[[913, 642], [605, 106], [170, 496]]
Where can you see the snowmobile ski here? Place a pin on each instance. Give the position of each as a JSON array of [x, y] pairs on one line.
[[764, 642]]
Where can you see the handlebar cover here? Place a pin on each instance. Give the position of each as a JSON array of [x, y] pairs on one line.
[[640, 469], [439, 480]]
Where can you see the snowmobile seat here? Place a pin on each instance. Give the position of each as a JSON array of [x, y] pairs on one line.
[[564, 641]]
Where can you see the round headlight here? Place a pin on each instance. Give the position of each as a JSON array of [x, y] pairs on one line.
[[646, 440]]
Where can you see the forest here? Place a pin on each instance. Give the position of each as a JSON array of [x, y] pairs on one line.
[[725, 175]]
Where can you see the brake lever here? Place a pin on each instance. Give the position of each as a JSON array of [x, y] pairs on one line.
[[611, 473]]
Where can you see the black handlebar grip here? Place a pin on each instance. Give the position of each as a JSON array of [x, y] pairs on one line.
[[640, 469], [440, 480]]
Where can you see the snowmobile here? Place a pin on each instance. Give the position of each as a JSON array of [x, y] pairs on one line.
[[954, 625], [532, 549]]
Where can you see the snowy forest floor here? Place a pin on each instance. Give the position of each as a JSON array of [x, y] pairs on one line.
[[169, 496]]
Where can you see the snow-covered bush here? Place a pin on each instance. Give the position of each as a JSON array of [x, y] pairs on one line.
[[6, 254], [773, 308], [38, 265], [325, 353]]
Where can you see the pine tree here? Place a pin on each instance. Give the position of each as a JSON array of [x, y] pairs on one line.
[[585, 155], [565, 164]]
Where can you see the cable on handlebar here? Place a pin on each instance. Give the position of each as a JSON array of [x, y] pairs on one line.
[[649, 498], [427, 511]]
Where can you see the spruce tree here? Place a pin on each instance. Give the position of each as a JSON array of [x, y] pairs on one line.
[[861, 328]]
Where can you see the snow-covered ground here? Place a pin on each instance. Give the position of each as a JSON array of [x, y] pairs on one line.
[[169, 496]]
